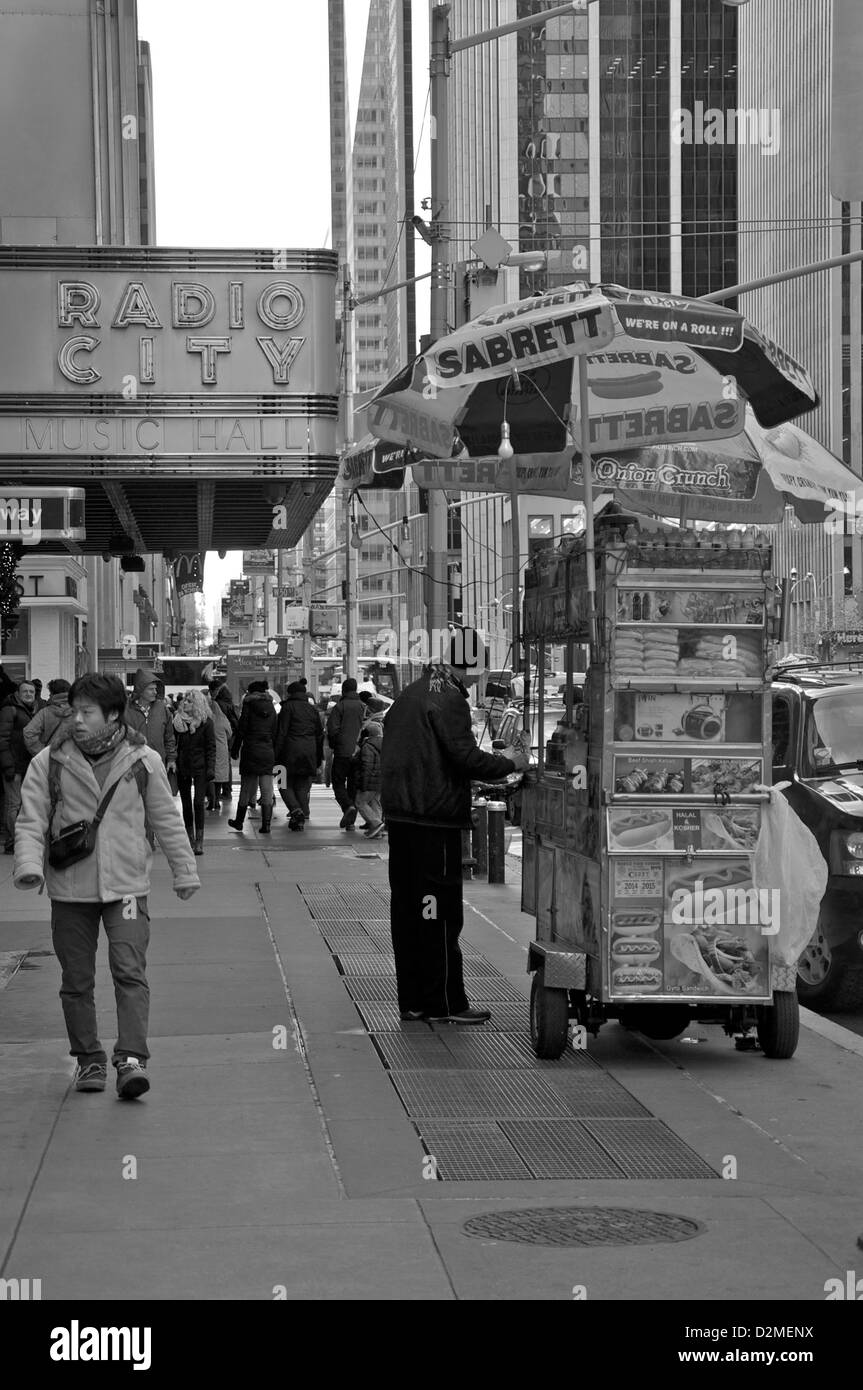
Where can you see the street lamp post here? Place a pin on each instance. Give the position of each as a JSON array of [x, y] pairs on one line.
[[442, 46]]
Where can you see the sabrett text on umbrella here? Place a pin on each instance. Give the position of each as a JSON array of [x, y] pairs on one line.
[[516, 344], [698, 419]]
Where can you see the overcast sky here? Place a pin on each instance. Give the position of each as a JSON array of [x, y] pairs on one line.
[[241, 129]]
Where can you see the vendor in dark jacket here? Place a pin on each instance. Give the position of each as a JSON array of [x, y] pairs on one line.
[[428, 759], [196, 762], [299, 751], [254, 745]]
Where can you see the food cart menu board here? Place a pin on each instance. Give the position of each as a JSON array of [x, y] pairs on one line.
[[688, 716], [723, 829], [685, 930], [646, 775], [689, 653]]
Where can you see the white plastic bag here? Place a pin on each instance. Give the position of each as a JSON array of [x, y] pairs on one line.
[[787, 858]]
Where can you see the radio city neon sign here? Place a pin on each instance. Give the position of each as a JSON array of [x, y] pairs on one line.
[[279, 306]]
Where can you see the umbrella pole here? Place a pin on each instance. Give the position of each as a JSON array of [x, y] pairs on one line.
[[587, 474], [516, 578]]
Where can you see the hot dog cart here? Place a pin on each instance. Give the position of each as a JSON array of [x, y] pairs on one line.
[[642, 819]]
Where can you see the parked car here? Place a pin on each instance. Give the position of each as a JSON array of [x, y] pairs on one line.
[[818, 748]]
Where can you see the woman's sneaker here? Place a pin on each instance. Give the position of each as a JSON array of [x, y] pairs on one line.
[[93, 1076], [131, 1079]]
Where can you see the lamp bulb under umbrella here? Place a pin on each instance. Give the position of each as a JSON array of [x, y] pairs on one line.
[[505, 449]]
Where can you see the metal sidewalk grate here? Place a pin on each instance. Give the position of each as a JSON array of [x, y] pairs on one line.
[[414, 1052], [384, 1018], [560, 1149], [380, 989], [372, 963], [648, 1149], [469, 1153], [476, 1095], [512, 1051], [597, 1096]]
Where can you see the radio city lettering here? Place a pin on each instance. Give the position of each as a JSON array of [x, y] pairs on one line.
[[542, 339], [279, 306]]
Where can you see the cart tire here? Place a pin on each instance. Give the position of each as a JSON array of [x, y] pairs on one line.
[[778, 1026], [549, 1018], [661, 1022]]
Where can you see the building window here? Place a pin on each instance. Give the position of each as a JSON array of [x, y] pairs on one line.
[[373, 612]]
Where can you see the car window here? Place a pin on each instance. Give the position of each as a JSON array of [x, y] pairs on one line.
[[833, 731]]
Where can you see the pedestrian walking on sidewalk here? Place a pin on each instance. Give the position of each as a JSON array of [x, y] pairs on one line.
[[369, 777], [15, 714], [222, 700], [42, 727], [224, 735], [148, 714], [102, 773], [343, 732], [428, 759], [299, 752], [254, 745], [196, 762]]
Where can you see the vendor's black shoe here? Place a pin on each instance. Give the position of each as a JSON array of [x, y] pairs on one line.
[[350, 817], [466, 1016], [411, 1015]]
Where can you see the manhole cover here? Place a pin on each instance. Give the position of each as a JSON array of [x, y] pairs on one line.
[[582, 1226]]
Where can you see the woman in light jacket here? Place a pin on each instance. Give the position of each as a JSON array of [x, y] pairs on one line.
[[224, 734]]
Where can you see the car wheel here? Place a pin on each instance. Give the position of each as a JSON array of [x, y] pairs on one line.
[[825, 983]]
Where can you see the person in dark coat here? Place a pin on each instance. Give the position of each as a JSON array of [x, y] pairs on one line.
[[299, 750], [43, 727], [343, 732], [15, 715], [196, 762], [254, 745], [220, 694], [369, 777], [428, 759]]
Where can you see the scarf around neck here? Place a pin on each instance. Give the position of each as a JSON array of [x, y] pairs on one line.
[[103, 741], [185, 724]]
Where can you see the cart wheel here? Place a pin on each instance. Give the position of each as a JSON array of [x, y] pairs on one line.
[[549, 1018], [661, 1022], [778, 1025]]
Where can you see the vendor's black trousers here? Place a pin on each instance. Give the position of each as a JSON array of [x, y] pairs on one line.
[[426, 916]]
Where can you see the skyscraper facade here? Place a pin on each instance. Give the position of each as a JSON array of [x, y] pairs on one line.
[[788, 218]]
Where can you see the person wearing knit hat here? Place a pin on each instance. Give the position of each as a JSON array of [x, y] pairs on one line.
[[148, 715], [369, 777], [299, 752], [254, 746], [45, 724]]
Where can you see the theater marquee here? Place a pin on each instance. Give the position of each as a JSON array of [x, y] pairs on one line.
[[195, 361]]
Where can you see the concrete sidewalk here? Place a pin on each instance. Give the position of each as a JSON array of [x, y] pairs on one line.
[[274, 1152]]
